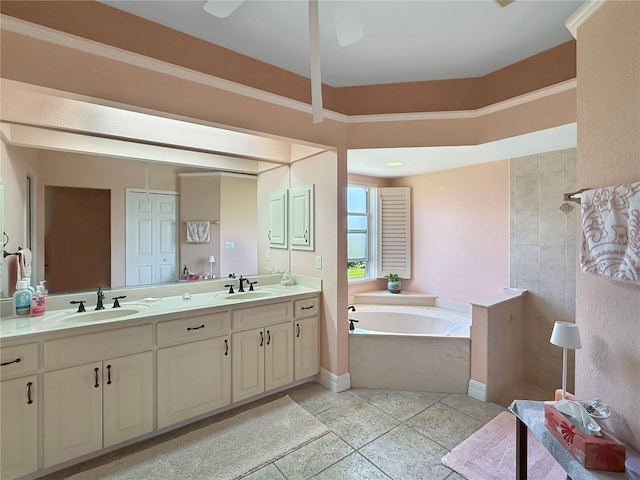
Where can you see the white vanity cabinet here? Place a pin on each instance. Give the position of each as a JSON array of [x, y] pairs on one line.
[[263, 356], [262, 360], [307, 338], [195, 377], [99, 403], [18, 411]]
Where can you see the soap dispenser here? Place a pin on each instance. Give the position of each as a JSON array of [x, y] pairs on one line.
[[22, 300], [38, 303]]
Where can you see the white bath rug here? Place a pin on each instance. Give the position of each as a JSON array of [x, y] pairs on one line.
[[223, 451]]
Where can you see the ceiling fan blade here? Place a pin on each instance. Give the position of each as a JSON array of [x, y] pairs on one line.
[[346, 20], [221, 8]]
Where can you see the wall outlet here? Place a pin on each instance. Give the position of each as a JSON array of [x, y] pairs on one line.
[[229, 245], [319, 261]]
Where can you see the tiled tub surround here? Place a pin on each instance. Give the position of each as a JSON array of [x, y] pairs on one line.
[[544, 229], [409, 359], [159, 368]]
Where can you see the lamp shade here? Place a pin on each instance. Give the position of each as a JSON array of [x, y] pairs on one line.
[[566, 335], [212, 259]]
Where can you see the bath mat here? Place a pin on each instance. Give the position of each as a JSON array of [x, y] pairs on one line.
[[490, 454], [223, 451]]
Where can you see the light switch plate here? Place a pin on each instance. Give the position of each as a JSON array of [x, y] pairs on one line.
[[319, 261]]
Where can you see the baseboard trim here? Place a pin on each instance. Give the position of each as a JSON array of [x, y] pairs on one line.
[[477, 390], [335, 383]]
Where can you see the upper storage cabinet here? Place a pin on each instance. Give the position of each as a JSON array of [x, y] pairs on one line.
[[278, 219], [302, 217]]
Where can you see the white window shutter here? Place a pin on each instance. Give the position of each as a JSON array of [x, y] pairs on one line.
[[394, 231]]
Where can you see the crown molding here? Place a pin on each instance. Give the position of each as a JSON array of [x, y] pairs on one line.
[[587, 9], [50, 35]]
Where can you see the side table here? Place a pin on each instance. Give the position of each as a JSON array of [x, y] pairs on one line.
[[530, 416]]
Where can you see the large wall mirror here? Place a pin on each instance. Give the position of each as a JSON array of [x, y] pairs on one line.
[[81, 214], [128, 158]]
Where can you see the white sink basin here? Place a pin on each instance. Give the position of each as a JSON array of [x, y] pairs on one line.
[[249, 295], [95, 315]]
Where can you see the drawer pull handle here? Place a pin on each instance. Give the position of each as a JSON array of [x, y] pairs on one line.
[[96, 370], [17, 360], [297, 330], [307, 308], [268, 337], [269, 235], [261, 338], [306, 240], [108, 374], [196, 328], [226, 347], [29, 401]]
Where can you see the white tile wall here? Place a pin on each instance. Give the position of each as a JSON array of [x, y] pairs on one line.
[[543, 256]]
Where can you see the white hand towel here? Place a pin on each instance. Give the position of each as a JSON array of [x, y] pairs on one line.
[[611, 232], [198, 232]]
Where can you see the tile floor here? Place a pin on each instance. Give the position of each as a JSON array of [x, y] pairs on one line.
[[374, 434]]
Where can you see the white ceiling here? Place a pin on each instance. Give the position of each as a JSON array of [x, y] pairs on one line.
[[418, 160], [403, 41]]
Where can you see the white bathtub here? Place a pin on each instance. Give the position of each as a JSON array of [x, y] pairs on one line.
[[410, 348], [410, 320]]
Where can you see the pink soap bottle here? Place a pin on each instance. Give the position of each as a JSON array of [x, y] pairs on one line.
[[38, 303]]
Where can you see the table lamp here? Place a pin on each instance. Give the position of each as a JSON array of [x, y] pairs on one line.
[[212, 260], [565, 335]]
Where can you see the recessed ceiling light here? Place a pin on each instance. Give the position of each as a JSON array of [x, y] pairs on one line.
[[394, 164]]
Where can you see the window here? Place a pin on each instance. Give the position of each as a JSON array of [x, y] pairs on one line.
[[358, 230], [378, 231]]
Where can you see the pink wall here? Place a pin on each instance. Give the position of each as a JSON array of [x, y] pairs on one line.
[[608, 313], [460, 231]]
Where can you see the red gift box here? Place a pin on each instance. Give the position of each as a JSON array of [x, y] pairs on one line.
[[594, 452]]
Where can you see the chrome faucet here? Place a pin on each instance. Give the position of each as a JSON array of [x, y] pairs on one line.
[[99, 305]]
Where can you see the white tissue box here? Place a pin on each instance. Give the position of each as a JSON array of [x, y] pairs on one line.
[[594, 452]]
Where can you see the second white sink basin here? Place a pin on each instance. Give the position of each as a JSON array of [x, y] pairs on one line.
[[249, 295]]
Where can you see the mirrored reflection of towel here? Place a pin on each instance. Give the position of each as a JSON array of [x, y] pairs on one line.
[[611, 232], [24, 263], [198, 232]]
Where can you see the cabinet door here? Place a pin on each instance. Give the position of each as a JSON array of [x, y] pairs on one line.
[[278, 355], [247, 363], [278, 219], [307, 347], [72, 412], [301, 217], [127, 397], [193, 379], [19, 420]]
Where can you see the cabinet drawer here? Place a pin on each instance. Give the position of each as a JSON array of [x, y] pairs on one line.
[[97, 346], [193, 328], [244, 318], [18, 360], [307, 307]]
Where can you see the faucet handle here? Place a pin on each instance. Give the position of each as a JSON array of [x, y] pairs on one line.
[[251, 284], [116, 303], [80, 304], [230, 288]]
